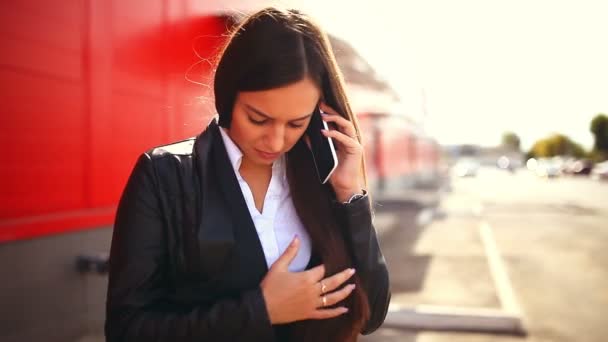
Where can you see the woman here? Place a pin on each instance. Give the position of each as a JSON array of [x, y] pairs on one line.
[[230, 236]]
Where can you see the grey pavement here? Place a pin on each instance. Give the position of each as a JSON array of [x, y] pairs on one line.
[[551, 235]]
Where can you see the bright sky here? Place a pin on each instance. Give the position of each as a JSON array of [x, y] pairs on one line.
[[486, 66]]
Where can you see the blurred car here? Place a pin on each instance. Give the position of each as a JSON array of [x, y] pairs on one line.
[[532, 164], [580, 167], [466, 167], [600, 170], [548, 168], [505, 163], [568, 165]]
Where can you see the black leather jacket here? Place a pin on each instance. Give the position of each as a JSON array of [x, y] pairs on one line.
[[186, 262]]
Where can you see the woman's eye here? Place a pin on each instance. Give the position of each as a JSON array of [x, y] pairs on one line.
[[262, 122], [255, 122]]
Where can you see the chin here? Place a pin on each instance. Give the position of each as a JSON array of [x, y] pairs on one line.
[[260, 161], [266, 162]]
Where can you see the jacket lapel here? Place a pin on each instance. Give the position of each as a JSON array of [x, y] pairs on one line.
[[225, 222]]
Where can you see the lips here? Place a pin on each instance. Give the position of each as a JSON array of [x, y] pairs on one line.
[[267, 155]]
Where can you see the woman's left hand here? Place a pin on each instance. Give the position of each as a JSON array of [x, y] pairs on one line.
[[346, 179]]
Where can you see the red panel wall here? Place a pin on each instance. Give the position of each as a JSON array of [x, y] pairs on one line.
[[126, 111], [41, 122], [86, 87]]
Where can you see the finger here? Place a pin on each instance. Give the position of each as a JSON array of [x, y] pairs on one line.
[[345, 126], [333, 113], [328, 313], [288, 255], [337, 296], [342, 138], [327, 109], [337, 279], [315, 274]]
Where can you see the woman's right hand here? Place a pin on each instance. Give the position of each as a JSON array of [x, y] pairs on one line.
[[295, 296]]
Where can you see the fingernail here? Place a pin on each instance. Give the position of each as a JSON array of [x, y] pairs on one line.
[[351, 271], [351, 286], [295, 238], [344, 310]]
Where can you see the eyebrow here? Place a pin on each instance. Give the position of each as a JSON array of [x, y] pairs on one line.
[[271, 118]]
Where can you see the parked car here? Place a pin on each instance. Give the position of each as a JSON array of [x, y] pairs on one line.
[[548, 168], [600, 170], [504, 163], [578, 167], [466, 167]]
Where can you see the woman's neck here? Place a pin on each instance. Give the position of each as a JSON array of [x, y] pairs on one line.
[[255, 170], [258, 178]]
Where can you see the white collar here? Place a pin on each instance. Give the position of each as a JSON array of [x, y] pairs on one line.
[[234, 152], [236, 157]]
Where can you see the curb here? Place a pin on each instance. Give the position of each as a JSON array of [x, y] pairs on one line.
[[444, 318]]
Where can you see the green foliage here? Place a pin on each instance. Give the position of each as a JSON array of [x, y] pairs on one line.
[[556, 145], [599, 129], [511, 141], [561, 145], [598, 156]]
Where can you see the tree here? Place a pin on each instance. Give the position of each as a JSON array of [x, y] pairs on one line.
[[556, 145], [599, 129], [511, 141]]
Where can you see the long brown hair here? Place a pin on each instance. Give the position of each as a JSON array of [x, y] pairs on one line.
[[273, 48]]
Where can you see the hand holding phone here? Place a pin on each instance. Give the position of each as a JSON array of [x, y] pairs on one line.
[[322, 148]]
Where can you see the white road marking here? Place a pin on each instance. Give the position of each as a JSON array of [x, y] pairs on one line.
[[498, 271], [506, 319]]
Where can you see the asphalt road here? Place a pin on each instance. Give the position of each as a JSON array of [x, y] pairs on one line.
[[550, 233]]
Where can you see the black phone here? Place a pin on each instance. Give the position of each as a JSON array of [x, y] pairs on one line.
[[322, 148]]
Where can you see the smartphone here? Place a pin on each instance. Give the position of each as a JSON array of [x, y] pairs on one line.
[[322, 147]]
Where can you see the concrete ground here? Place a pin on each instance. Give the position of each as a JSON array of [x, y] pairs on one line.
[[551, 236]]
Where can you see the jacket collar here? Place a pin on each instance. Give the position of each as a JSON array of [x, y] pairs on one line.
[[224, 215]]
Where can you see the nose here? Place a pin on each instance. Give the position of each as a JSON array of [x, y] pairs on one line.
[[275, 139]]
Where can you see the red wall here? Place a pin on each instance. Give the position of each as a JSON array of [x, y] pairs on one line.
[[87, 86]]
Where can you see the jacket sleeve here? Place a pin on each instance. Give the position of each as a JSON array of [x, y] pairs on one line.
[[136, 308], [369, 261]]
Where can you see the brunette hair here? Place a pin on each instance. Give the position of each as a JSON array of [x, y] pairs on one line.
[[273, 48]]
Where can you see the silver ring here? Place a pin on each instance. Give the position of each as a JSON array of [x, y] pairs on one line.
[[323, 287], [324, 300]]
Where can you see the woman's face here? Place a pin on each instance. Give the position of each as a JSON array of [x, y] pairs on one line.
[[267, 123]]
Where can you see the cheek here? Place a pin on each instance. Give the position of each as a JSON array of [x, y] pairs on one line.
[[293, 137], [252, 137], [242, 136]]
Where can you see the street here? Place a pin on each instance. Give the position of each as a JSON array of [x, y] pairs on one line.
[[550, 234]]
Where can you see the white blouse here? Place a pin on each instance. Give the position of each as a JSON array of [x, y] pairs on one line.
[[278, 222]]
